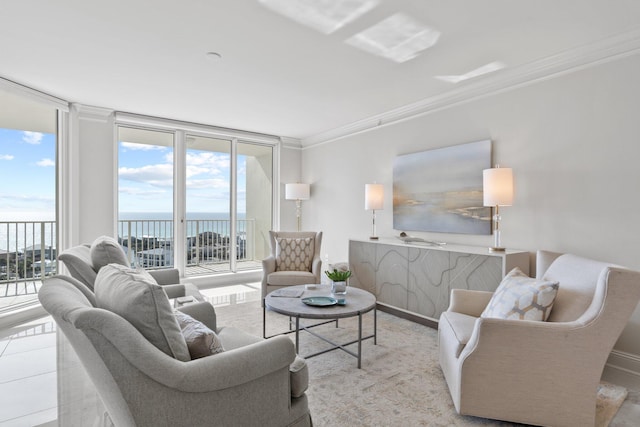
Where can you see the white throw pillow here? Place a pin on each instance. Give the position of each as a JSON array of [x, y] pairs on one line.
[[201, 340], [135, 296], [294, 254], [521, 297]]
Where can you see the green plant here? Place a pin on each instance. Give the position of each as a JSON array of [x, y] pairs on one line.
[[338, 276]]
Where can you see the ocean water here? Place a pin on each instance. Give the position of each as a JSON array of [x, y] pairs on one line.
[[25, 229]]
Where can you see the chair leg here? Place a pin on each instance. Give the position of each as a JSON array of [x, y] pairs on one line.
[[264, 321]]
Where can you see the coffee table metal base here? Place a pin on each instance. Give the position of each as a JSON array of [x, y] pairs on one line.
[[359, 303], [336, 346]]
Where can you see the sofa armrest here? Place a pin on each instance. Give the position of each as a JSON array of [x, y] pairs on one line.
[[217, 372], [269, 265], [168, 276], [174, 291], [203, 312], [471, 303]]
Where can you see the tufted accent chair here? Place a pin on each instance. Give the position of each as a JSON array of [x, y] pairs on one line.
[[294, 260]]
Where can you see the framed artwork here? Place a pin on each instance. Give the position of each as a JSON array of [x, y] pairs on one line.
[[441, 190]]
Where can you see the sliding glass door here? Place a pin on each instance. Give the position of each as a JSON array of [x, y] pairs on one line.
[[208, 205], [198, 201], [145, 196]]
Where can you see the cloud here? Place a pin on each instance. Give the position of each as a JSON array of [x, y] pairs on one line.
[[140, 192], [208, 183], [156, 175], [6, 157], [141, 147], [46, 163], [34, 138]]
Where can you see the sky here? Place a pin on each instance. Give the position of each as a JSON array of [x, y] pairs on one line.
[[145, 179], [27, 173]]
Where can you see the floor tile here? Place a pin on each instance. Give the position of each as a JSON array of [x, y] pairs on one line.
[[27, 364], [28, 396]]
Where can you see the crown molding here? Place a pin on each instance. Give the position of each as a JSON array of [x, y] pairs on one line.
[[604, 50], [291, 143], [95, 114]]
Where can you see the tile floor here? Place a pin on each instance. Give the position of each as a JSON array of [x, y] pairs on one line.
[[29, 375]]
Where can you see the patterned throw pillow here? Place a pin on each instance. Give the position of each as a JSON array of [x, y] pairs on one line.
[[294, 254], [521, 297], [201, 340]]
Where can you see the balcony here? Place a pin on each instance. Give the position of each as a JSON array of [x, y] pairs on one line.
[[29, 252]]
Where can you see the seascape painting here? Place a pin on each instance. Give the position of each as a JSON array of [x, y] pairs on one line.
[[441, 190]]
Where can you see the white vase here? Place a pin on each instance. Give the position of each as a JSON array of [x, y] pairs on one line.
[[339, 288]]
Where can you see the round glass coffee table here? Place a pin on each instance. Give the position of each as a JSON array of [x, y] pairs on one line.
[[322, 304]]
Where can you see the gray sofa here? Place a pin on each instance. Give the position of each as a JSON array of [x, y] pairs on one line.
[[84, 262], [538, 372], [252, 382]]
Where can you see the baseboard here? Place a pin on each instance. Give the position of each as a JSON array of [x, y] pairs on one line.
[[426, 321], [623, 369]]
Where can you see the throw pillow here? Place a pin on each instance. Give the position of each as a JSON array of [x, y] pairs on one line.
[[201, 340], [294, 254], [135, 296], [521, 297], [106, 250]]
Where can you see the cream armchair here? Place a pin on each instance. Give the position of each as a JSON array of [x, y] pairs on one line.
[[275, 277], [253, 382], [542, 373]]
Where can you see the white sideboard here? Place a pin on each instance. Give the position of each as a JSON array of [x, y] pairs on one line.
[[417, 279]]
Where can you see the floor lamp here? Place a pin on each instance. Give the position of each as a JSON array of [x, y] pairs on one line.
[[297, 192], [497, 188], [373, 200]]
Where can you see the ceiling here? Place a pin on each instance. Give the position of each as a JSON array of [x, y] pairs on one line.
[[276, 75]]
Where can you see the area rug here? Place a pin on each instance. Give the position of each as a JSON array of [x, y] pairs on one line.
[[400, 382]]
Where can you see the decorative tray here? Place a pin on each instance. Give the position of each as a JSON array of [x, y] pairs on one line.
[[320, 301]]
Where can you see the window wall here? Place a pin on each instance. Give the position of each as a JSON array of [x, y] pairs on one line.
[[209, 194], [28, 226]]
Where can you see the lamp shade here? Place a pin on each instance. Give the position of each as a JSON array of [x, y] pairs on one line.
[[296, 191], [497, 186], [373, 196]]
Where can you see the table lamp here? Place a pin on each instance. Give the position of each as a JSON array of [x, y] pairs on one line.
[[373, 200], [497, 187], [297, 192]]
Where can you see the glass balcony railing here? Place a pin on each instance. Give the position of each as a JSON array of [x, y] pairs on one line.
[[150, 243], [28, 251], [27, 254]]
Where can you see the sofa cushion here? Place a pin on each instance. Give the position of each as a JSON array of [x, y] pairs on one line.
[[520, 297], [201, 341], [106, 250], [290, 278], [135, 296], [459, 326], [294, 254]]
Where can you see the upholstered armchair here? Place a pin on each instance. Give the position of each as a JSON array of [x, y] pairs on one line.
[[252, 381], [294, 260], [84, 262], [538, 372]]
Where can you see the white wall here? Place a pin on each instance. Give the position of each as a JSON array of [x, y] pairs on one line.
[[93, 172], [290, 159], [572, 142]]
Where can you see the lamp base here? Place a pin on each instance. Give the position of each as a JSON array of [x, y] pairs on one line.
[[497, 249], [373, 238]]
